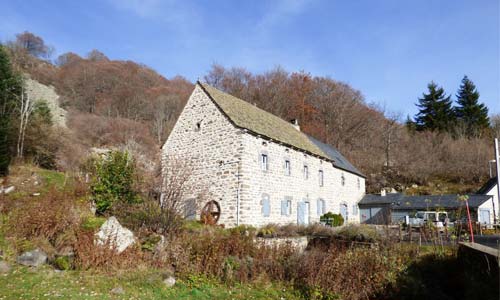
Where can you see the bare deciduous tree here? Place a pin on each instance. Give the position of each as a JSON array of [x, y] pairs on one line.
[[26, 106]]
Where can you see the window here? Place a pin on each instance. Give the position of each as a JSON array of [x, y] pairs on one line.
[[342, 179], [264, 162], [359, 183], [190, 209], [288, 170], [320, 173], [286, 206], [198, 126], [266, 205], [320, 206], [306, 172], [355, 209]]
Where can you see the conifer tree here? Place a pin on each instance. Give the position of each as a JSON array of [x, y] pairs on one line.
[[10, 88], [471, 114], [435, 110]]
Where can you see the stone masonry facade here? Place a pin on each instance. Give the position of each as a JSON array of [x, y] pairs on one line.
[[224, 161]]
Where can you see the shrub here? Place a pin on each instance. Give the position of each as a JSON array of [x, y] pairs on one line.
[[355, 273], [92, 223], [332, 219], [47, 216], [359, 233], [63, 263], [113, 181], [150, 216]]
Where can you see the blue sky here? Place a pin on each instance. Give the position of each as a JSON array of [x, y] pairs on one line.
[[387, 49]]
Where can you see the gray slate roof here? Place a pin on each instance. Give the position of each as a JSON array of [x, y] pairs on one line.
[[400, 201], [258, 121], [339, 160]]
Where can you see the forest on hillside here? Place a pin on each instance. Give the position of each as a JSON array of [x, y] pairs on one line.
[[113, 103]]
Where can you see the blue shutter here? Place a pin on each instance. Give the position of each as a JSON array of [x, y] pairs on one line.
[[318, 207], [266, 207], [284, 206]]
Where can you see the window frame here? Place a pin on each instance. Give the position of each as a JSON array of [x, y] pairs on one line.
[[288, 201], [305, 172], [321, 177], [320, 203], [264, 161], [288, 167]]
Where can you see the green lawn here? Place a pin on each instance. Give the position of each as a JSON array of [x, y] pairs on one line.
[[45, 283]]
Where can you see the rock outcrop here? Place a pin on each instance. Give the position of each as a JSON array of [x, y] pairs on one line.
[[33, 258], [112, 233]]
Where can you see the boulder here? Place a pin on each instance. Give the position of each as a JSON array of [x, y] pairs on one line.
[[118, 290], [112, 233], [4, 267], [169, 281], [33, 258], [10, 189]]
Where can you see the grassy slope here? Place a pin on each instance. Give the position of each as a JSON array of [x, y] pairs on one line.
[[45, 283]]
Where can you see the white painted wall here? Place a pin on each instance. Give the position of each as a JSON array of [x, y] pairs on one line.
[[494, 192]]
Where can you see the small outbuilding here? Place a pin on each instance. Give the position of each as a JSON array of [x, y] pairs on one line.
[[393, 208]]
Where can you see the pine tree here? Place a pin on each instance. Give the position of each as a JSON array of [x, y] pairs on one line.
[[10, 88], [471, 114], [435, 110]]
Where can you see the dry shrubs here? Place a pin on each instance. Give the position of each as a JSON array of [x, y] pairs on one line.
[[230, 255], [51, 216], [88, 255], [355, 273]]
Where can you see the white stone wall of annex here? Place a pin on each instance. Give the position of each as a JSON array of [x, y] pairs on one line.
[[203, 149], [275, 183], [494, 192], [488, 205]]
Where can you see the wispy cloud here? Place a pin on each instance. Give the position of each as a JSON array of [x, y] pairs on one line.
[[281, 11], [182, 14], [142, 8]]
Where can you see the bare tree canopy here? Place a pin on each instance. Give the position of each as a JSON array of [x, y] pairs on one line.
[[33, 44]]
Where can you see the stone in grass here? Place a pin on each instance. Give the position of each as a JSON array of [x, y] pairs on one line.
[[169, 281], [118, 290], [168, 278], [33, 258], [4, 267]]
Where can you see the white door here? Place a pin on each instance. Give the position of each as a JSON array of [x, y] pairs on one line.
[[303, 213], [484, 216]]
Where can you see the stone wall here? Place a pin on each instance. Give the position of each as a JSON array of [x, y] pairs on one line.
[[201, 139], [279, 186]]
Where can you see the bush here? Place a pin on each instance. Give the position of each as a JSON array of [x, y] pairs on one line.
[[113, 181], [359, 233], [92, 223], [332, 219], [63, 263], [149, 216], [48, 216]]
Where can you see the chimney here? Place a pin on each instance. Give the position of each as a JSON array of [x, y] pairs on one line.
[[382, 192], [295, 124]]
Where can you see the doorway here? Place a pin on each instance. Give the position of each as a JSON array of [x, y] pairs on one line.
[[303, 213]]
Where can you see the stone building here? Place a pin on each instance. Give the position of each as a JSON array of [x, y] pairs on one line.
[[255, 167]]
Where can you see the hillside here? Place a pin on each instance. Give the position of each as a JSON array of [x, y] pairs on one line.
[[124, 104]]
